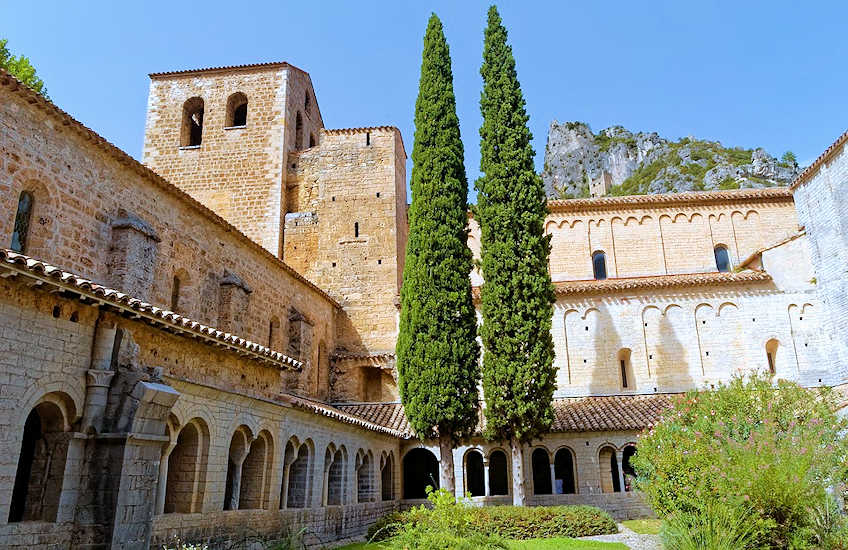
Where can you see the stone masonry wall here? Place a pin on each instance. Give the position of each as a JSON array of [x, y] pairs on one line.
[[80, 191], [823, 211]]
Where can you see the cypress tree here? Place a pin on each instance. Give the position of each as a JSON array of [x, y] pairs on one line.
[[517, 295], [437, 350]]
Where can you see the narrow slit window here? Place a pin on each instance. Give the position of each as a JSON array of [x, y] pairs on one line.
[[367, 138], [175, 293], [599, 265], [623, 373], [356, 229], [298, 132], [722, 259], [22, 217]]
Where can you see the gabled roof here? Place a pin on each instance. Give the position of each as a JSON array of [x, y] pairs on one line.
[[343, 415], [87, 291]]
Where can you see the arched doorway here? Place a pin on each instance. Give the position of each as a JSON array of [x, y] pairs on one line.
[[474, 478], [627, 468], [608, 464], [498, 474], [420, 469], [541, 472], [564, 472]]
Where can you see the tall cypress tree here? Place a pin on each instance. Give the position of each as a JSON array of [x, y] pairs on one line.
[[437, 350], [517, 295]]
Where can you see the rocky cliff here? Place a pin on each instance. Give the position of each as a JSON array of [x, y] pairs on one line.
[[642, 163]]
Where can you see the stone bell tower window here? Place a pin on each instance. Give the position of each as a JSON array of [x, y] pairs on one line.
[[237, 110], [191, 133]]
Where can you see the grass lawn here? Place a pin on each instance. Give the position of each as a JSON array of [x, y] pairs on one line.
[[532, 544], [643, 526]]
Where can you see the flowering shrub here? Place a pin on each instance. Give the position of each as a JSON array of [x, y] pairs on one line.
[[772, 450]]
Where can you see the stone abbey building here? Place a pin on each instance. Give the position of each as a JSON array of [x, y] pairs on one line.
[[202, 344]]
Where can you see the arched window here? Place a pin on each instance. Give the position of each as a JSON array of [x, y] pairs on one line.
[[22, 217], [298, 132], [175, 293], [564, 472], [541, 472], [295, 490], [625, 368], [722, 258], [420, 469], [474, 482], [498, 474], [608, 464], [236, 110], [771, 355], [41, 466], [256, 473], [334, 471], [235, 457], [599, 265], [363, 477], [627, 468], [387, 477], [191, 133], [187, 470]]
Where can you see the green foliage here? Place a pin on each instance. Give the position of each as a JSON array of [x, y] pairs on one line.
[[291, 540], [560, 543], [643, 526], [729, 182], [509, 522], [768, 451], [789, 159], [21, 68], [437, 349], [517, 295], [717, 526], [604, 140]]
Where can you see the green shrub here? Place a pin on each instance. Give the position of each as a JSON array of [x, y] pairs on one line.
[[716, 526], [510, 522], [746, 445]]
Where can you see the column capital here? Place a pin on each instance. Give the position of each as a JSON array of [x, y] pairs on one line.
[[99, 378]]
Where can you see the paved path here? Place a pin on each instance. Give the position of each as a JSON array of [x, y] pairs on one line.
[[631, 539]]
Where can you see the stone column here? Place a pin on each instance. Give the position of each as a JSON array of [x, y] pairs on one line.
[[553, 478], [619, 458], [163, 478], [486, 490], [96, 397]]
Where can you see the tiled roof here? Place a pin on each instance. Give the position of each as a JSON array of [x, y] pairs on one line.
[[387, 426], [13, 85], [578, 414], [824, 157], [609, 413], [269, 65], [667, 199], [376, 356], [567, 288], [90, 291]]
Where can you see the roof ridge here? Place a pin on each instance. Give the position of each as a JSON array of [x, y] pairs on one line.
[[689, 197], [245, 66], [816, 164]]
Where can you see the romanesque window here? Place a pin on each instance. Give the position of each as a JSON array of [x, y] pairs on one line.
[[608, 464], [298, 132], [256, 473], [498, 474], [722, 259], [334, 474], [387, 486], [627, 468], [420, 469], [599, 265], [295, 489], [191, 133], [22, 217], [474, 478], [175, 293], [41, 466], [187, 469], [363, 476], [235, 457], [771, 355], [236, 110], [541, 472], [564, 472], [625, 368]]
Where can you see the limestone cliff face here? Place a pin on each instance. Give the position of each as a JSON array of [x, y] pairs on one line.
[[642, 163]]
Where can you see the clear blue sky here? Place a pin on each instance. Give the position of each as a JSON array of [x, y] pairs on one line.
[[770, 74]]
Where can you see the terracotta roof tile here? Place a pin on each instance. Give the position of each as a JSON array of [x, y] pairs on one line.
[[45, 272], [383, 423], [13, 85], [269, 65], [666, 199], [578, 414], [566, 288], [824, 157]]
